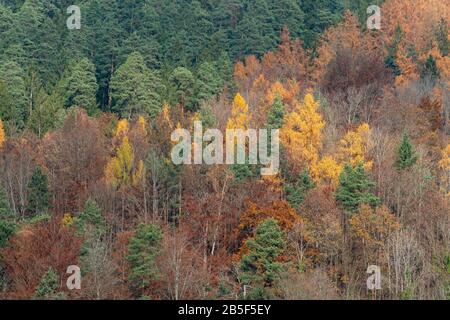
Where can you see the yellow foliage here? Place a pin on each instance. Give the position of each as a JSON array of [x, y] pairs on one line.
[[276, 90], [118, 171], [302, 132], [122, 128], [239, 114], [355, 147], [67, 220], [137, 176], [2, 134], [327, 170], [142, 124]]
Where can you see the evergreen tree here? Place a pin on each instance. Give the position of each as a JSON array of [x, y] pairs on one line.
[[38, 193], [406, 155], [91, 219], [13, 103], [429, 70], [135, 89], [81, 87], [48, 286], [208, 81], [8, 225], [260, 267], [183, 82], [354, 189], [296, 190], [143, 249], [275, 117]]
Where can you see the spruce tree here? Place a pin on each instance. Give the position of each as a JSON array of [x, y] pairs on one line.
[[406, 155], [143, 249], [48, 286], [259, 267], [38, 193], [296, 190], [275, 117], [355, 189]]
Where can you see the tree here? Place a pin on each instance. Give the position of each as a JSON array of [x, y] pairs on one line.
[[13, 103], [406, 155], [301, 134], [296, 190], [183, 82], [91, 218], [208, 82], [275, 117], [122, 170], [38, 193], [143, 249], [355, 146], [354, 188], [135, 89], [81, 86], [48, 286], [2, 134], [260, 267], [8, 225]]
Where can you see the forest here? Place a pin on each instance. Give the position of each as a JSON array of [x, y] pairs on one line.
[[87, 179]]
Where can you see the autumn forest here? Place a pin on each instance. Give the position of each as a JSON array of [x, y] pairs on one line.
[[87, 178]]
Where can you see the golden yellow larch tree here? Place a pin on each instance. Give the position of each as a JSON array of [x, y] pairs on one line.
[[122, 128], [354, 148], [121, 171], [2, 134], [239, 118], [302, 133], [326, 171]]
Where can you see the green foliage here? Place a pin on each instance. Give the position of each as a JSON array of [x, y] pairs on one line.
[[135, 89], [183, 82], [91, 219], [13, 96], [38, 193], [354, 189], [143, 249], [208, 82], [429, 70], [296, 190], [8, 225], [48, 286], [259, 267], [81, 86], [406, 155], [275, 116]]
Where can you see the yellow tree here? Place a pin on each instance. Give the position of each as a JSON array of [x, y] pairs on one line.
[[122, 128], [2, 134], [301, 134], [355, 147], [239, 114], [121, 171], [326, 171]]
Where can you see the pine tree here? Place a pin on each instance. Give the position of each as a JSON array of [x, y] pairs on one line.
[[354, 188], [275, 117], [48, 286], [208, 81], [296, 190], [143, 249], [183, 82], [81, 87], [259, 267], [406, 155], [135, 89], [38, 193], [91, 219]]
